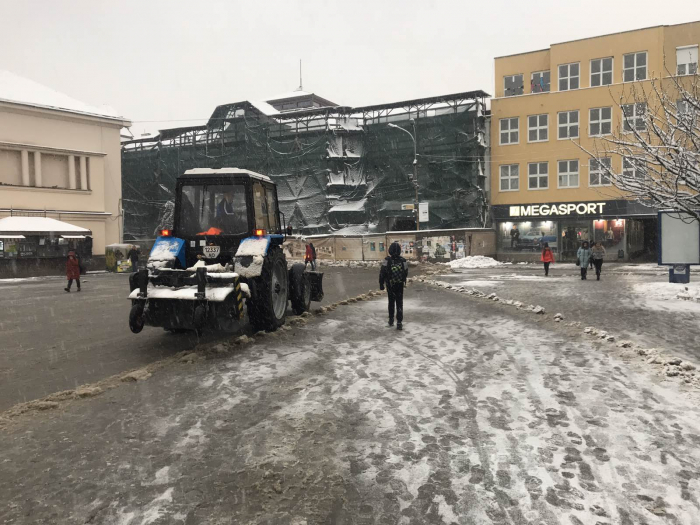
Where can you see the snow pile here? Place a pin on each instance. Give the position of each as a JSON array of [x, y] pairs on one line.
[[669, 291], [253, 246], [165, 250], [474, 261]]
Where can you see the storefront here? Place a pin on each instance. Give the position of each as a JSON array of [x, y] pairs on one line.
[[32, 246], [626, 229]]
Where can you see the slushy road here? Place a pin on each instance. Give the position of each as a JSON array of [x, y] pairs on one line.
[[477, 413]]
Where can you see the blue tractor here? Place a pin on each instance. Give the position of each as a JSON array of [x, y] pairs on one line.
[[224, 253]]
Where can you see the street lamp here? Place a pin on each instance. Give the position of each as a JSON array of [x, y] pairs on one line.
[[415, 164]]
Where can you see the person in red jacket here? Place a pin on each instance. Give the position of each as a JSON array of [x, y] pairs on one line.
[[72, 270], [310, 256], [547, 257]]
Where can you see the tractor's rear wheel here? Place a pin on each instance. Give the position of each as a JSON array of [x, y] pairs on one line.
[[136, 319], [268, 308], [300, 289]]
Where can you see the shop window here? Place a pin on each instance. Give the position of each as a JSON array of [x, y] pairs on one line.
[[509, 131], [568, 124], [634, 67], [539, 82], [599, 172], [633, 117], [601, 71], [513, 85], [537, 128], [568, 173], [528, 236], [611, 234], [373, 246], [600, 121], [687, 60], [538, 176], [510, 177], [568, 76], [381, 246]]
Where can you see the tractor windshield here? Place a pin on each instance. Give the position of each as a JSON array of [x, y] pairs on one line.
[[213, 210]]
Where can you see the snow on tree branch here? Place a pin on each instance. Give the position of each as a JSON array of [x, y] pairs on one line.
[[659, 144]]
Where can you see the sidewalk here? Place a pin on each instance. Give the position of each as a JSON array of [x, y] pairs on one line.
[[631, 303]]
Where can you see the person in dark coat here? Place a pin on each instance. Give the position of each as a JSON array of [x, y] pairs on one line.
[[392, 275], [72, 270], [133, 255]]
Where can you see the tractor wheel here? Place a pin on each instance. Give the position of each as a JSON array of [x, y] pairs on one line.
[[136, 320], [299, 289], [199, 318], [268, 308]]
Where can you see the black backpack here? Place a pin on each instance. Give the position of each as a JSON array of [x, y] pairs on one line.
[[395, 271]]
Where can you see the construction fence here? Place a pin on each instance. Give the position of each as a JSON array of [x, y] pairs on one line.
[[431, 245]]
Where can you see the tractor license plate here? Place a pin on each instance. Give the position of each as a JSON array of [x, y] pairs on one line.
[[211, 252]]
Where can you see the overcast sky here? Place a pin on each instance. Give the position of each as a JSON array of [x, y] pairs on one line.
[[174, 61]]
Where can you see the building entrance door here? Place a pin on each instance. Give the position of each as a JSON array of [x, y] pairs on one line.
[[573, 233]]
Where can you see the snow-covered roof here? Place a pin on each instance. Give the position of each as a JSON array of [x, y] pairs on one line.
[[39, 225], [227, 171], [264, 107], [289, 94], [20, 90], [349, 206]]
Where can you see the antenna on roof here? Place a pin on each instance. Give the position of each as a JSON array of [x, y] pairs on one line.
[[300, 83]]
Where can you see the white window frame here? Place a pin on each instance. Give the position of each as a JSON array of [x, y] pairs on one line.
[[538, 127], [599, 172], [600, 121], [538, 176], [636, 66], [630, 168], [509, 131], [505, 89], [568, 124], [688, 68], [602, 71], [510, 177], [569, 77], [532, 77], [634, 118], [568, 174]]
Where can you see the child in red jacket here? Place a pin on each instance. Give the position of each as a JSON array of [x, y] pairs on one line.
[[547, 257]]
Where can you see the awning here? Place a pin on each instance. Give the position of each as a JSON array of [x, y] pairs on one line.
[[72, 236], [39, 226], [12, 237]]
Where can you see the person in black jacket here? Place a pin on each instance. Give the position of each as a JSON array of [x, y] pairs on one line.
[[393, 274]]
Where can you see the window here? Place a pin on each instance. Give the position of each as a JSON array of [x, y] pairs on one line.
[[373, 246], [381, 246], [539, 82], [687, 60], [509, 131], [633, 117], [568, 124], [601, 71], [537, 128], [600, 121], [598, 172], [633, 169], [513, 85], [634, 67], [568, 76], [568, 173], [510, 177], [262, 217], [537, 176], [216, 206], [683, 107]]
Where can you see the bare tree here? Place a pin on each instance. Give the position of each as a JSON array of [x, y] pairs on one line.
[[659, 142]]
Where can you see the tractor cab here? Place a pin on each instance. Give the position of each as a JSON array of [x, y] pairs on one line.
[[215, 209]]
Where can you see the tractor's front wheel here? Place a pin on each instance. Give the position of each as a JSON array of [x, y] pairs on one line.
[[268, 308]]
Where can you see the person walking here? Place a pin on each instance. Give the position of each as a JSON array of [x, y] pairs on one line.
[[310, 256], [393, 274], [547, 258], [597, 256], [133, 256], [72, 270], [583, 257], [514, 236]]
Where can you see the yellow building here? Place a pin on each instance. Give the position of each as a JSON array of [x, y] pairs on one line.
[[60, 161], [544, 187]]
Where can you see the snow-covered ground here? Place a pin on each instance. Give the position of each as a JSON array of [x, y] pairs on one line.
[[670, 296]]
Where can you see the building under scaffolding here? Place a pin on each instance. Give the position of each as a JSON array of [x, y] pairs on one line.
[[338, 169]]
